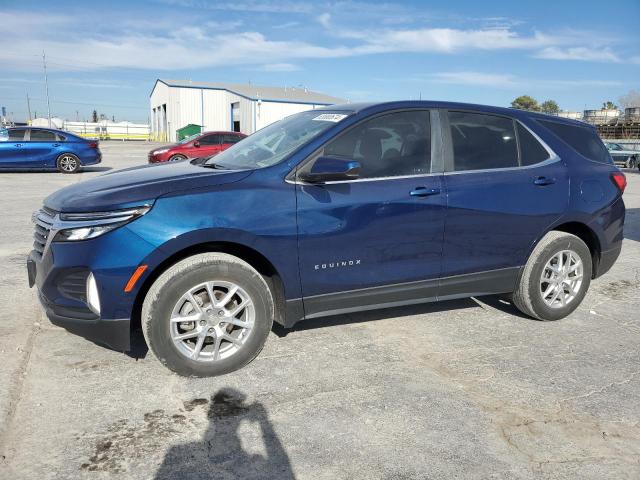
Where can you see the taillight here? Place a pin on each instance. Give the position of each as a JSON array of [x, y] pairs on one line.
[[93, 145], [620, 180]]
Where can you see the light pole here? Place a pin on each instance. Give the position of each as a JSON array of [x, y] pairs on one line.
[[46, 86]]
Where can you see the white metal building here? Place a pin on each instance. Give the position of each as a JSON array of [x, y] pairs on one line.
[[222, 106]]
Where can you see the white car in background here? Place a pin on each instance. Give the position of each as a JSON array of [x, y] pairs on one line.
[[622, 156]]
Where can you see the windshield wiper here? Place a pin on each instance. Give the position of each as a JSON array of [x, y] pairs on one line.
[[213, 165]]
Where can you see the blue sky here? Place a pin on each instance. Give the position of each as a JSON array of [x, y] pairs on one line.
[[107, 55]]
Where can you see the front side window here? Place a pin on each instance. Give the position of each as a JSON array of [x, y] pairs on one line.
[[391, 145], [42, 136], [210, 140], [482, 141], [231, 138], [275, 142], [16, 134]]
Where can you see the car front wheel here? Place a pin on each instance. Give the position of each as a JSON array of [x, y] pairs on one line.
[[176, 158], [207, 315], [556, 277]]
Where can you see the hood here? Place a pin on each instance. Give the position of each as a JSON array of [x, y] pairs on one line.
[[166, 147], [137, 185]]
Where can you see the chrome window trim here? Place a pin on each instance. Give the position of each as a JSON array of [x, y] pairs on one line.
[[359, 180]]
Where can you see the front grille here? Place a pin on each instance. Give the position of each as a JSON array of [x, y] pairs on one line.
[[43, 219], [72, 284]]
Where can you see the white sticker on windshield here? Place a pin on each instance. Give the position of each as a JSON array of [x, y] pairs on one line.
[[330, 117]]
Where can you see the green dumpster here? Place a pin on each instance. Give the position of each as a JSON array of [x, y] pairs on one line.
[[188, 130]]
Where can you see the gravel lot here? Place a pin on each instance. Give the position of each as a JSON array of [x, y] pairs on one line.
[[461, 389]]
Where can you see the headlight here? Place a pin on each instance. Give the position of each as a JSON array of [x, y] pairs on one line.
[[83, 226], [162, 150]]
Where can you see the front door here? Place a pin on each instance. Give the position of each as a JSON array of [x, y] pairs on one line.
[[209, 145], [375, 241], [13, 153], [504, 189]]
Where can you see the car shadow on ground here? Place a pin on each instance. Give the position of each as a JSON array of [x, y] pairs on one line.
[[632, 224], [222, 453], [95, 169]]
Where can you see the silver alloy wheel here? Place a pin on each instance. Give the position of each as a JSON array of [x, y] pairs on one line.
[[68, 163], [212, 321], [561, 279]]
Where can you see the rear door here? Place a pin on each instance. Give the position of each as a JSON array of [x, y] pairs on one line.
[[376, 240], [41, 146], [504, 189], [13, 153]]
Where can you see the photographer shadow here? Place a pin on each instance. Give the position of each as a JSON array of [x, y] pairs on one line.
[[220, 454]]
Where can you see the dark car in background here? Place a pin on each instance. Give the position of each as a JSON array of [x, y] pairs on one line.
[[331, 211], [31, 148], [200, 145], [623, 156]]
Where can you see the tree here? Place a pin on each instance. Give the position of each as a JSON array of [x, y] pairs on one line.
[[549, 106], [609, 106], [525, 102], [630, 100], [94, 116]]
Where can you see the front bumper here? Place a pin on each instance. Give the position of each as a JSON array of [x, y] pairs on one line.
[[60, 274]]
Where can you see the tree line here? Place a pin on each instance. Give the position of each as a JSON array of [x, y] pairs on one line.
[[527, 102]]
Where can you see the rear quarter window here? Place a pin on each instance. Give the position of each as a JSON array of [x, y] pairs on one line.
[[583, 140]]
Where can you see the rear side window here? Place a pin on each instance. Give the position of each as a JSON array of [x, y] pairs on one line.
[[531, 151], [482, 141], [584, 140], [42, 136]]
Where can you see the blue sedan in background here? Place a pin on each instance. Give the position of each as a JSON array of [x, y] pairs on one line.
[[45, 148]]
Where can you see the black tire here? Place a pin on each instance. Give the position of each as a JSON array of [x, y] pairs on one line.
[[68, 163], [176, 158], [528, 296], [174, 282]]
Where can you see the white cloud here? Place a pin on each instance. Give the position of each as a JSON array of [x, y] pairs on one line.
[[578, 53], [324, 19], [280, 67], [505, 80], [475, 78]]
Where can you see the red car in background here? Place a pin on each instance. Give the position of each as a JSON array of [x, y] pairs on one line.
[[200, 145]]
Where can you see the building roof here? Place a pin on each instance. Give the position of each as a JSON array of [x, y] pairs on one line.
[[256, 92]]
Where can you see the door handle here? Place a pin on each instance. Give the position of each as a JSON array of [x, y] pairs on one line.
[[56, 144], [424, 192], [18, 144], [541, 181]]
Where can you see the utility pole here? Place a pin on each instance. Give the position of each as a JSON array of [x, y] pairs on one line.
[[46, 86], [77, 116], [29, 107]]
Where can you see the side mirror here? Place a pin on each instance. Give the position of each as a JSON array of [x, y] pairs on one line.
[[196, 143], [328, 169]]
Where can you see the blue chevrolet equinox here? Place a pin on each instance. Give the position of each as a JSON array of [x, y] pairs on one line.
[[329, 211]]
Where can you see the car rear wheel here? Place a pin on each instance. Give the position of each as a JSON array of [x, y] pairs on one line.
[[175, 158], [556, 277], [68, 163], [207, 315]]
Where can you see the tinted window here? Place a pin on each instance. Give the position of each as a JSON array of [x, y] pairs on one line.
[[584, 140], [210, 140], [231, 138], [42, 136], [531, 151], [482, 141], [388, 146], [16, 134]]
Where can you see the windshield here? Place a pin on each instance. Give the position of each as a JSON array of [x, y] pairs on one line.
[[273, 143], [189, 138]]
